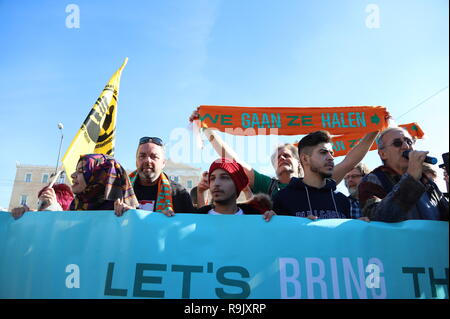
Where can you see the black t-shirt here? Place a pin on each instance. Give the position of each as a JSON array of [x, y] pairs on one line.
[[145, 192], [146, 195]]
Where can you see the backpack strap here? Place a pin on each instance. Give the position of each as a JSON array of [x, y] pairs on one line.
[[272, 186]]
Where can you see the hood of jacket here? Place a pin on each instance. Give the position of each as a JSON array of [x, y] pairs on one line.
[[301, 200], [297, 183]]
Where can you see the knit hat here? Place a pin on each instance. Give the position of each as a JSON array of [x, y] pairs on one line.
[[234, 169]]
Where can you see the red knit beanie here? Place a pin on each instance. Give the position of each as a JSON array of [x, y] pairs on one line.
[[234, 169]]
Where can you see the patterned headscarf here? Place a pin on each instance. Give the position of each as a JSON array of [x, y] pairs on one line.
[[106, 180]]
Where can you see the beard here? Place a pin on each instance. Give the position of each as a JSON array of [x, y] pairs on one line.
[[353, 191], [147, 174], [321, 173]]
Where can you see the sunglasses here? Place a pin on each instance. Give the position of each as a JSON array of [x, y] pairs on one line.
[[154, 140], [398, 142]]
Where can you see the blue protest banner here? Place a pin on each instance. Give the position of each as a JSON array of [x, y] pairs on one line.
[[149, 255]]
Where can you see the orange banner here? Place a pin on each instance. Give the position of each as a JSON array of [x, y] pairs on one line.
[[343, 143], [413, 129], [246, 121]]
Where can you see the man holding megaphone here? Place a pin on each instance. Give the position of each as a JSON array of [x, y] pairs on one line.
[[398, 190]]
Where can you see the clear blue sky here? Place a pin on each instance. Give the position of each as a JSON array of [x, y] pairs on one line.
[[186, 53]]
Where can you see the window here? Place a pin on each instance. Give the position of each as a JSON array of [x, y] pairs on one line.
[[23, 199], [62, 178], [174, 178], [45, 178], [27, 177], [189, 183]]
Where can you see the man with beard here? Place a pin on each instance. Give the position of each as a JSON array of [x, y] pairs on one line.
[[153, 188], [314, 196], [352, 180]]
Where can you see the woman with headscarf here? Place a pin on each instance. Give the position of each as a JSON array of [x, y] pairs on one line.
[[97, 183]]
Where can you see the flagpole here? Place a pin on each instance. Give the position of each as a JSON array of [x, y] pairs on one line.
[[60, 127]]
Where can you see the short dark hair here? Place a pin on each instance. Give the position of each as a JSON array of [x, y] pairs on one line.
[[193, 194], [313, 139]]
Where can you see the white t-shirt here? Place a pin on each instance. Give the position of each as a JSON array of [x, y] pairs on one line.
[[213, 212], [148, 205]]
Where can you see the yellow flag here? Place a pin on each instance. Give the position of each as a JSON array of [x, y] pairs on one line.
[[97, 133]]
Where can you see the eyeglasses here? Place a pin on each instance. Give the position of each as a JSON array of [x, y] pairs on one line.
[[398, 142], [154, 140], [353, 176]]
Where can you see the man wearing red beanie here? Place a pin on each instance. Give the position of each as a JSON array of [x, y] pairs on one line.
[[227, 179]]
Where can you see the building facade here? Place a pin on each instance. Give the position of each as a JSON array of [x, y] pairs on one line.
[[30, 179]]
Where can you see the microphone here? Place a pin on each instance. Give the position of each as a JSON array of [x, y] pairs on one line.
[[428, 159]]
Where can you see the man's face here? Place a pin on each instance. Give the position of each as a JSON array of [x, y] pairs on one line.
[[352, 180], [321, 160], [285, 162], [222, 187], [395, 143], [150, 162]]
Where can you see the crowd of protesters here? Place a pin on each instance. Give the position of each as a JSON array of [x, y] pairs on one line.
[[305, 184]]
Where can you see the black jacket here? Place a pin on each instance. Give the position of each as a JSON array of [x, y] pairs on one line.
[[258, 204], [181, 199], [386, 196], [299, 199]]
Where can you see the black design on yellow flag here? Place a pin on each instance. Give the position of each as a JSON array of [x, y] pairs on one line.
[[97, 133]]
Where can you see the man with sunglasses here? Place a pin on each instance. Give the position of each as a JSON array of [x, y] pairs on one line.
[[398, 190], [153, 188]]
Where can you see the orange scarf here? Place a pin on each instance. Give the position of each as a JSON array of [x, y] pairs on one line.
[[238, 120], [164, 197], [343, 143]]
